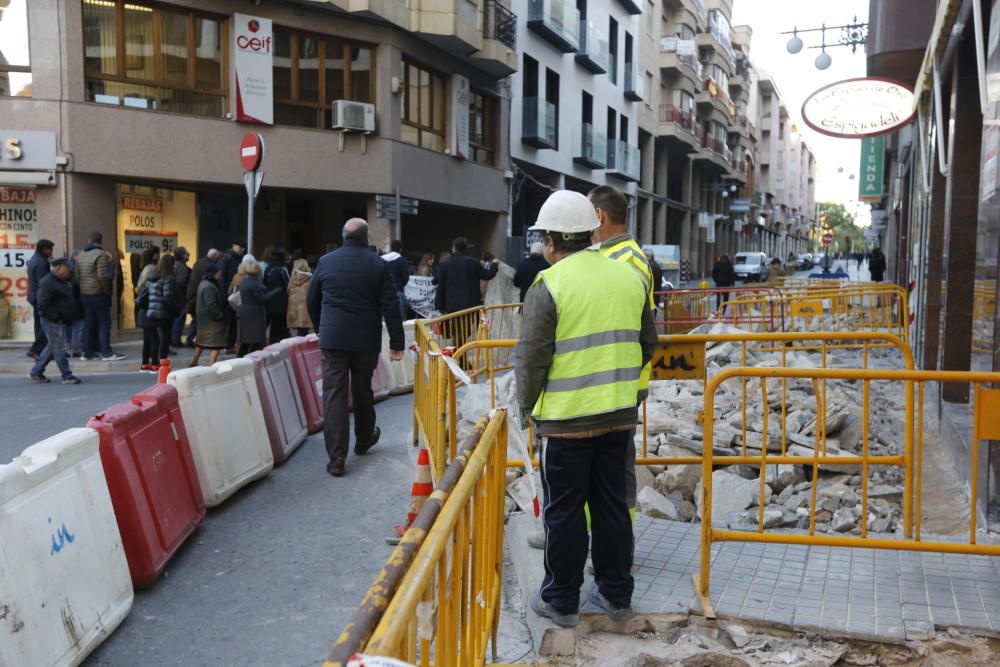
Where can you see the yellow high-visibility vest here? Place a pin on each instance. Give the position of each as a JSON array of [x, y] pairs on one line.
[[597, 359], [629, 252]]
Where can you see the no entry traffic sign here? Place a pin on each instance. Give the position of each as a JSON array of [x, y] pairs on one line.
[[251, 151], [827, 238]]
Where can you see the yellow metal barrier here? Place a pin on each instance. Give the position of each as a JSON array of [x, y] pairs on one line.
[[986, 426], [691, 348], [448, 603]]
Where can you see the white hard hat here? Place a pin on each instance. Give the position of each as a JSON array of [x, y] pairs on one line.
[[567, 212]]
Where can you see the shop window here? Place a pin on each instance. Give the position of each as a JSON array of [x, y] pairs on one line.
[[15, 63], [424, 95], [311, 71], [483, 127], [151, 57]]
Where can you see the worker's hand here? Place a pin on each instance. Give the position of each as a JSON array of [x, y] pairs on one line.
[[395, 355]]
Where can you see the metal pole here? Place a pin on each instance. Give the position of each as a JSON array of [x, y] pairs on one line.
[[251, 199]]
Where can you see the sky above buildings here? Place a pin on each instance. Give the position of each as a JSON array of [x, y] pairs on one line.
[[796, 77]]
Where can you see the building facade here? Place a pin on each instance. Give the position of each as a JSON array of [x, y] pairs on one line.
[[126, 117], [577, 97]]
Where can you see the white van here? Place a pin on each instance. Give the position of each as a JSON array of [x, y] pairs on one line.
[[750, 266]]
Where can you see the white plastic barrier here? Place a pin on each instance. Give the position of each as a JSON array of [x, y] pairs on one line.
[[225, 424], [64, 580], [401, 372]]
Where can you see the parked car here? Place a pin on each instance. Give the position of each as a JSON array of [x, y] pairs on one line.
[[750, 266], [805, 262]]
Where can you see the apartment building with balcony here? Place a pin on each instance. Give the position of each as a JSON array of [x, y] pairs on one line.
[[576, 101], [131, 115]]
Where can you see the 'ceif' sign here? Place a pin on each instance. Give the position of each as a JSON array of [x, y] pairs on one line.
[[254, 66]]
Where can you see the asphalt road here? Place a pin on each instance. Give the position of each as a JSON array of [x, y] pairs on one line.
[[271, 576]]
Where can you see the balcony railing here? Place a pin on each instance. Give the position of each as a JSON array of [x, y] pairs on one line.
[[558, 21], [685, 50], [632, 6], [670, 113], [539, 123], [591, 147], [722, 35], [593, 49], [699, 132], [501, 24], [634, 82], [623, 160]]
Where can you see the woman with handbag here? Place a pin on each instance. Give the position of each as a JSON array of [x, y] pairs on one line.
[[159, 305]]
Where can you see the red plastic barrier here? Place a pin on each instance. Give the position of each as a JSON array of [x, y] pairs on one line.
[[280, 399], [307, 362], [152, 478]]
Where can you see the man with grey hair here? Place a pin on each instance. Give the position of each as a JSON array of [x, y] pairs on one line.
[[206, 263], [350, 293], [529, 267]]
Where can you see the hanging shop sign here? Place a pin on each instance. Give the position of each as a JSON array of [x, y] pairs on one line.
[[872, 169], [860, 107], [254, 49], [142, 213], [460, 99], [18, 235]]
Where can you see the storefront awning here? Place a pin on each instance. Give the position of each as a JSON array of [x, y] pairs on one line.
[[944, 22]]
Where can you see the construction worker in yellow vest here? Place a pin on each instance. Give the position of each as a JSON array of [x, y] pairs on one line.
[[613, 240], [586, 334]]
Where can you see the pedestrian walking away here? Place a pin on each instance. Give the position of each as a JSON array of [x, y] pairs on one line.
[[277, 278], [209, 262], [38, 268], [657, 272], [350, 294], [724, 276], [210, 314], [299, 323], [615, 242], [182, 275], [529, 267], [254, 298], [57, 308], [233, 258], [458, 279], [96, 277], [399, 269], [584, 416], [876, 265]]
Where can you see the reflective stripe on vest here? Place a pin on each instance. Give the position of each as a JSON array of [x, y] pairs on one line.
[[629, 252], [596, 359]]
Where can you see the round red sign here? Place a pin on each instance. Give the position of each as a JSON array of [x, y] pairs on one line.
[[827, 238], [251, 151]]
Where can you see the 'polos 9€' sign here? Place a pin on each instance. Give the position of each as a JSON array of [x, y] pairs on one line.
[[857, 108], [254, 78]]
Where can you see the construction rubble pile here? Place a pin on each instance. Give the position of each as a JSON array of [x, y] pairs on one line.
[[675, 429]]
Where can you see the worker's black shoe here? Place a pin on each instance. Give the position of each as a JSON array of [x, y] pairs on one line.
[[614, 612], [543, 608]]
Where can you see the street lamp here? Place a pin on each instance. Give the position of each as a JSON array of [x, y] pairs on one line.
[[852, 34]]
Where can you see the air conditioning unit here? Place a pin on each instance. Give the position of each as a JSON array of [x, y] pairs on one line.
[[351, 116]]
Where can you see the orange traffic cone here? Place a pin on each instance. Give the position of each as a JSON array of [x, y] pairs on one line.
[[419, 493], [164, 371]]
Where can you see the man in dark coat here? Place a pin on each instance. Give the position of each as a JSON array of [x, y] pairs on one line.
[[877, 265], [529, 267], [182, 276], [38, 268], [232, 259], [458, 280], [350, 293], [57, 306], [724, 276], [210, 262]]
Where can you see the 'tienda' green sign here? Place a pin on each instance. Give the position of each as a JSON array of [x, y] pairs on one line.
[[872, 168]]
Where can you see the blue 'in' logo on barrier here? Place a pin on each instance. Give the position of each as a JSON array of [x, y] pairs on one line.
[[61, 538]]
